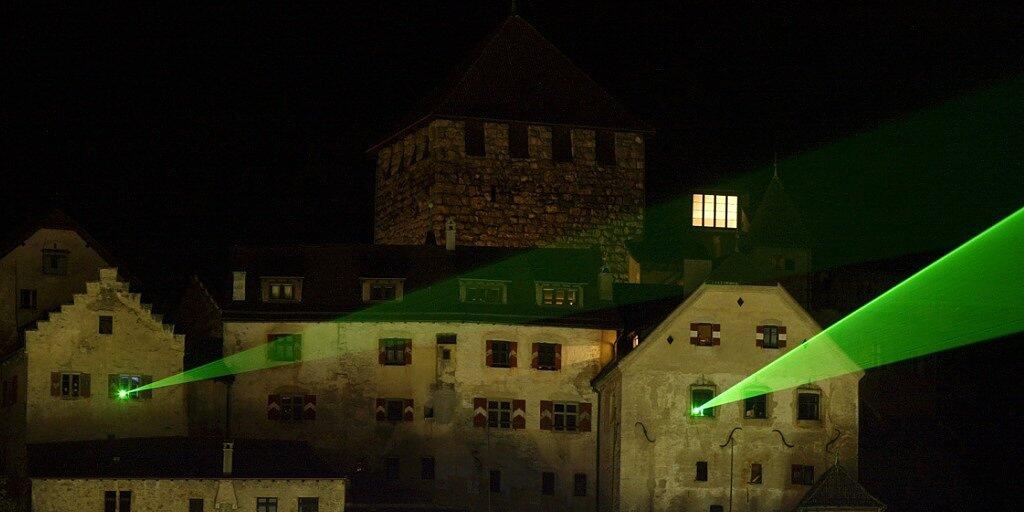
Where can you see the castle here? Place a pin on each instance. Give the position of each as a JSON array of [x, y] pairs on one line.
[[511, 341]]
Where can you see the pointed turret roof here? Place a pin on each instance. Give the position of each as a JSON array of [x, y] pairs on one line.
[[518, 75], [838, 489], [777, 222]]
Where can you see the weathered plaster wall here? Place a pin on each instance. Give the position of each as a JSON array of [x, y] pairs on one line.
[[497, 200], [172, 495], [348, 378], [12, 425], [22, 268], [657, 379], [69, 341]]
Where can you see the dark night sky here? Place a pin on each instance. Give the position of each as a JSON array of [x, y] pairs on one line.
[[249, 124]]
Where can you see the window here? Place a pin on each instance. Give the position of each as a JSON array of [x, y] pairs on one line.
[[783, 263], [381, 289], [118, 383], [702, 471], [702, 334], [110, 501], [70, 385], [282, 289], [605, 147], [561, 144], [292, 407], [700, 396], [808, 405], [770, 336], [715, 211], [716, 508], [579, 484], [124, 501], [55, 262], [309, 504], [427, 468], [803, 475], [394, 351], [546, 356], [391, 466], [428, 413], [499, 413], [395, 409], [495, 481], [266, 504], [284, 347], [756, 407], [559, 294], [473, 136], [566, 416], [755, 473], [195, 505], [27, 298], [482, 291], [106, 324], [547, 483], [518, 140], [501, 353]]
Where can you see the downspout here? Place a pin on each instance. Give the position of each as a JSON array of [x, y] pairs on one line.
[[597, 454], [731, 443]]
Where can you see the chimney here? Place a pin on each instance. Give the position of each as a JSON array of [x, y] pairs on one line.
[[605, 284], [449, 234], [238, 285], [229, 456]]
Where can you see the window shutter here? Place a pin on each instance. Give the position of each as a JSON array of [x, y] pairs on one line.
[[694, 337], [408, 352], [479, 412], [381, 409], [558, 356], [273, 407], [583, 423], [512, 349], [490, 353], [112, 384], [518, 414], [547, 417], [782, 336], [83, 385], [759, 337], [382, 357], [147, 394], [534, 355], [54, 383], [309, 407], [297, 346], [409, 412], [716, 334]]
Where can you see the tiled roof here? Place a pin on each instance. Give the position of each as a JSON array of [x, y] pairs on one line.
[[839, 490], [518, 75], [777, 222]]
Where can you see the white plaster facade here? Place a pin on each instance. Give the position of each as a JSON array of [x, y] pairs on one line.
[[650, 443]]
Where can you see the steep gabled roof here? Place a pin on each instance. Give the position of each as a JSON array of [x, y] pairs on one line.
[[838, 489], [518, 75], [777, 222], [55, 219]]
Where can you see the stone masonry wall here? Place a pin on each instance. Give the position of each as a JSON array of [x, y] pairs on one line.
[[497, 200]]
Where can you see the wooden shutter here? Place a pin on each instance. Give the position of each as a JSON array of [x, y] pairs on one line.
[[759, 336], [479, 412], [583, 422], [84, 385], [274, 407], [513, 361], [782, 336], [716, 334], [534, 355], [382, 357], [490, 353], [381, 409], [309, 407], [695, 334], [547, 415], [558, 356], [408, 352], [296, 340], [54, 383], [518, 414], [408, 412], [147, 394], [113, 382]]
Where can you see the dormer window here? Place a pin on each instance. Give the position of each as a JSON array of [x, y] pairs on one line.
[[715, 211], [281, 289], [382, 289], [482, 291], [568, 295], [55, 262]]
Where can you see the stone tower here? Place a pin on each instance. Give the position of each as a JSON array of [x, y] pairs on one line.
[[521, 149]]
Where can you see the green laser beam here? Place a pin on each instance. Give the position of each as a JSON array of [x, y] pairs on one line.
[[972, 294]]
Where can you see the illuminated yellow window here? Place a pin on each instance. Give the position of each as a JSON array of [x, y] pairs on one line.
[[715, 211]]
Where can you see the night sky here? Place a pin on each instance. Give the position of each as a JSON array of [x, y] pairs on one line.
[[155, 124]]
